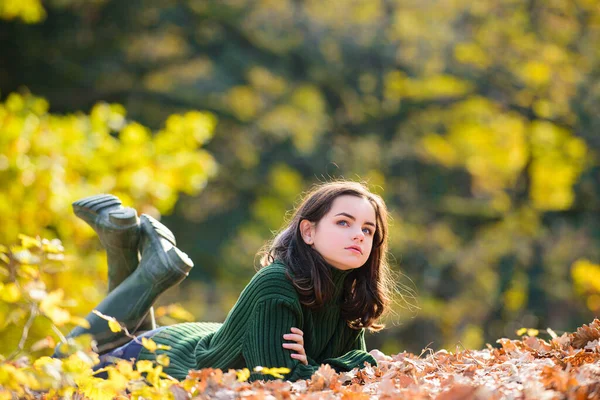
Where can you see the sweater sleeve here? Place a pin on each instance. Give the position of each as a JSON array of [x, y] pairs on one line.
[[263, 342], [355, 355]]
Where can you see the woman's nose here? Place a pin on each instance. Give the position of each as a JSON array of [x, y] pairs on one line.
[[360, 235]]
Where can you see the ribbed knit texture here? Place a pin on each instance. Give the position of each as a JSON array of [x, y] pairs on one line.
[[252, 334]]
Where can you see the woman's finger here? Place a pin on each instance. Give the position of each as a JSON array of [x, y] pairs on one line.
[[379, 356], [294, 337], [295, 347], [297, 331], [300, 358]]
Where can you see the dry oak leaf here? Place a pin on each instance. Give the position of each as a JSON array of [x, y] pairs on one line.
[[364, 376], [584, 392], [558, 379], [323, 378], [590, 371], [465, 392], [536, 344], [387, 387], [581, 357], [585, 334], [178, 392], [355, 396], [562, 342]]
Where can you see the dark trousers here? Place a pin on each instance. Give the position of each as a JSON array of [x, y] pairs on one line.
[[130, 350]]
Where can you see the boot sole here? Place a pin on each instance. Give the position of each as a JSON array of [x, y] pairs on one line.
[[173, 258], [91, 209]]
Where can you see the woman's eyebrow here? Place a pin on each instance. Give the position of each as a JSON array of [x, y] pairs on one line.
[[354, 219]]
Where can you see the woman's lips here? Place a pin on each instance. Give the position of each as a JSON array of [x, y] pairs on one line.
[[354, 250]]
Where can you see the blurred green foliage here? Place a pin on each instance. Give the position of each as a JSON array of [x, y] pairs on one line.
[[476, 121]]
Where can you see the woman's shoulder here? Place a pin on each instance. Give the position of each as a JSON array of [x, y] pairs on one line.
[[276, 271], [273, 279]]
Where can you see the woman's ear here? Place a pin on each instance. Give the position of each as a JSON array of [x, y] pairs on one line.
[[307, 231]]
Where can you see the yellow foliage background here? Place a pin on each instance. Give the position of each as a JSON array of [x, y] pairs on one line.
[[48, 161]]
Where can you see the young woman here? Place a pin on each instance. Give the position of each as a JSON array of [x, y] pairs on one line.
[[323, 281]]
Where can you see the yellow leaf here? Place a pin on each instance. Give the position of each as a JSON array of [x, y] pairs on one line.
[[163, 360], [117, 379], [144, 366], [52, 246], [52, 299], [532, 332], [99, 389], [44, 361], [67, 393], [49, 308], [528, 331], [149, 344], [28, 242], [276, 372], [134, 134], [154, 376], [27, 271], [188, 384], [125, 367], [11, 293], [80, 363], [80, 322], [243, 375], [114, 326]]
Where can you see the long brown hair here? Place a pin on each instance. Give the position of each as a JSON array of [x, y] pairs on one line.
[[366, 289]]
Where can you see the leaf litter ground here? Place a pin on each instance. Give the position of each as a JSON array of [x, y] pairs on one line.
[[564, 367]]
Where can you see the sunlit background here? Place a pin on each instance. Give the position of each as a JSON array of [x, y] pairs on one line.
[[477, 121]]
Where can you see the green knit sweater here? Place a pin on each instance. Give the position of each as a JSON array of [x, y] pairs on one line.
[[252, 334]]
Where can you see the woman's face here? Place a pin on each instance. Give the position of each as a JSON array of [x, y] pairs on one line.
[[344, 236]]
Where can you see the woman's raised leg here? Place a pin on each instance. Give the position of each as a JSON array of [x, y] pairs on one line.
[[162, 266], [118, 229]]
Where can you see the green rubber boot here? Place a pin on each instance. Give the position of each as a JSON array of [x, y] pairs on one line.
[[119, 231], [162, 266]]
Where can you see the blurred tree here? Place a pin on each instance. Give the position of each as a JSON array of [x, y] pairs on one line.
[[29, 11], [477, 119]]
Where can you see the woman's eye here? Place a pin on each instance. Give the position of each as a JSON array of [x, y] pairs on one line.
[[343, 222], [367, 231]]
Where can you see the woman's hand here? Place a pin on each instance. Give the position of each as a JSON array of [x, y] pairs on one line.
[[296, 336], [379, 356]]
